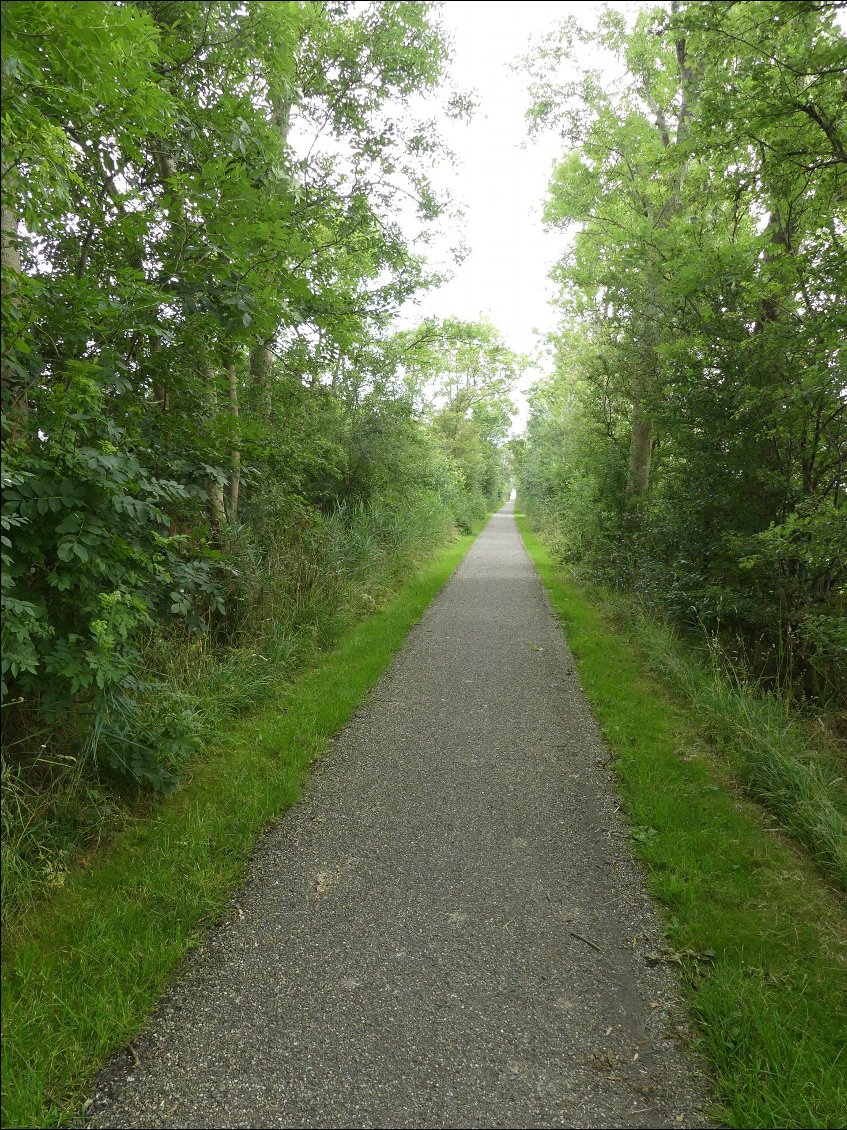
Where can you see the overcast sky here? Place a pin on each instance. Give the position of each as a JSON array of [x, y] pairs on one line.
[[502, 177]]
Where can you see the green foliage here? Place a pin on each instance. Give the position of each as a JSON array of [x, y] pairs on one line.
[[211, 458], [690, 441], [159, 227], [466, 373], [89, 564]]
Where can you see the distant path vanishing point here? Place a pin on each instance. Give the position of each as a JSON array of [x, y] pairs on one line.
[[449, 929]]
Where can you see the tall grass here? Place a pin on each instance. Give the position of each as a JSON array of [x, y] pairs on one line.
[[785, 760], [299, 578]]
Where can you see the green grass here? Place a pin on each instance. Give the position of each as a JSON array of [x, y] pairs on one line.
[[82, 970], [293, 591], [758, 930], [788, 762]]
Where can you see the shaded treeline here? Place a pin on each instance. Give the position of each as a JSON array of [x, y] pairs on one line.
[[690, 443], [214, 445]]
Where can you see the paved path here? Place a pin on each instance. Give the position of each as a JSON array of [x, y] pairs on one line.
[[448, 930]]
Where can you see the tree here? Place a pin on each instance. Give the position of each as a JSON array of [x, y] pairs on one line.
[[461, 375], [202, 249], [704, 193]]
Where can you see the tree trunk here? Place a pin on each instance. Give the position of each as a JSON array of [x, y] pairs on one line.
[[646, 387], [261, 363], [11, 256], [214, 488], [780, 238], [160, 392], [261, 354], [166, 16], [15, 405], [640, 453], [641, 439], [235, 454]]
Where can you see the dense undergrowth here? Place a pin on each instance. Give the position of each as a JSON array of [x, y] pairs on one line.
[[292, 594]]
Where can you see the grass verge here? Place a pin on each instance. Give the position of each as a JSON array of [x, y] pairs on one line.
[[759, 933], [787, 762], [82, 971]]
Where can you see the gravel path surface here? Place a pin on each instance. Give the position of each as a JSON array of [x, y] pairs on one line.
[[449, 929]]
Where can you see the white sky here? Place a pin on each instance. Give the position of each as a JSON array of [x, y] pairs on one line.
[[502, 177]]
